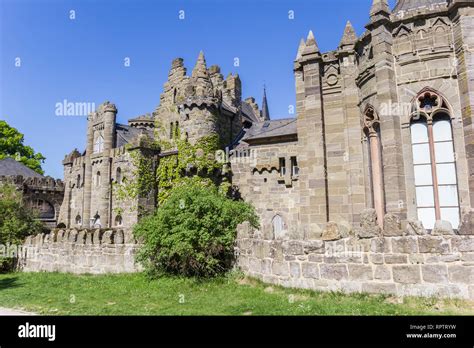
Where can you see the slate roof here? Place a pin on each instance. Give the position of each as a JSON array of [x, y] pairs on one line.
[[10, 167], [271, 129], [127, 134], [406, 5], [248, 112]]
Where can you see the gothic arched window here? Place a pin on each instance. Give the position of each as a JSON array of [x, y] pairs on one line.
[[78, 220], [98, 143], [372, 131], [434, 161]]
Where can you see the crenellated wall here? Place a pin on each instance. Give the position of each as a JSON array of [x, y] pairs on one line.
[[85, 251], [413, 264]]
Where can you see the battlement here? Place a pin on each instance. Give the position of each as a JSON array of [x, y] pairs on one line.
[[203, 84], [87, 251], [45, 184]]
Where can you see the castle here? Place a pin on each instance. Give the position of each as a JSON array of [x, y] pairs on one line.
[[43, 195], [380, 157], [383, 122]]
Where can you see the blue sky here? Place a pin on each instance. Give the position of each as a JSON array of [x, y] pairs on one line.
[[82, 60]]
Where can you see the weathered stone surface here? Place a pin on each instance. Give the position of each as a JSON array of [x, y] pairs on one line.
[[416, 259], [255, 265], [310, 270], [395, 259], [435, 273], [467, 224], [313, 247], [433, 245], [368, 218], [377, 259], [336, 272], [442, 228], [107, 237], [97, 236], [461, 274], [406, 274], [443, 258], [392, 226], [404, 245], [332, 231], [280, 268], [415, 228], [360, 272], [379, 288], [368, 232], [119, 237], [78, 254], [463, 244], [295, 270], [382, 272], [380, 245], [292, 248]]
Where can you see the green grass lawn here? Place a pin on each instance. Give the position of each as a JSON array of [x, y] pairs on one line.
[[135, 294]]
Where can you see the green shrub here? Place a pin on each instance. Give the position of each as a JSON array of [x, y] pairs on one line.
[[16, 223], [193, 232]]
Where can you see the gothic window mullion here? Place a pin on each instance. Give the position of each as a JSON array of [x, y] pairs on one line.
[[434, 173]]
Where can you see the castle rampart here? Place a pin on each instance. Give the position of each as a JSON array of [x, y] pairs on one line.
[[80, 251]]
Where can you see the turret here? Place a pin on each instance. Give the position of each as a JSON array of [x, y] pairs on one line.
[[349, 37], [200, 78], [265, 114], [233, 90], [380, 11]]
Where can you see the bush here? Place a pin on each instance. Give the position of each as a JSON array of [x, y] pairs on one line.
[[16, 222], [192, 233]]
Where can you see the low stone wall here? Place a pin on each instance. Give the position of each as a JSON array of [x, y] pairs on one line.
[[84, 251], [410, 265]]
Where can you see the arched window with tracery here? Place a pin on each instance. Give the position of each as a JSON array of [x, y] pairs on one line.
[[434, 160], [98, 142], [372, 132]]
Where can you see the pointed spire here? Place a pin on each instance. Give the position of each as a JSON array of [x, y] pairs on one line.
[[200, 70], [265, 111], [301, 48], [311, 45], [349, 37], [379, 6]]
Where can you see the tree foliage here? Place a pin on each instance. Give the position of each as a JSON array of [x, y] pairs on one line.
[[193, 231], [16, 221], [11, 145]]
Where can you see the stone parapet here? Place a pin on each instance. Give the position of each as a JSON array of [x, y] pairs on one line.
[[80, 251], [414, 265]]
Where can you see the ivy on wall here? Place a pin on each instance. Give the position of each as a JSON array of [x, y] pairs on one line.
[[157, 176]]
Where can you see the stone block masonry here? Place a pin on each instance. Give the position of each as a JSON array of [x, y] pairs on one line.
[[438, 266], [80, 251]]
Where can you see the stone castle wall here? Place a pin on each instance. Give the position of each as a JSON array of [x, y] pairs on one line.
[[410, 265], [85, 251]]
